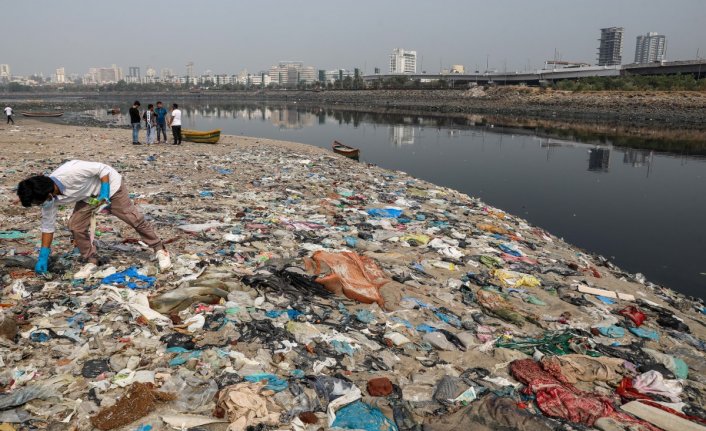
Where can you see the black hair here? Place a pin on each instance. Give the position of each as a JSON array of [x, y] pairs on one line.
[[137, 102], [34, 190], [175, 106], [158, 102], [150, 106]]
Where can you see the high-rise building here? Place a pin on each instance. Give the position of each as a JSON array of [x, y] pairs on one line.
[[104, 75], [292, 73], [402, 61], [610, 51], [133, 74], [650, 48], [166, 74], [60, 76], [5, 72]]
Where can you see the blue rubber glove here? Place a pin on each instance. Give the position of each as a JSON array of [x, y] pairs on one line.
[[105, 192], [43, 261]]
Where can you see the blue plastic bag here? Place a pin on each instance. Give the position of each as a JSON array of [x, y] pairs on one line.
[[130, 278], [361, 416]]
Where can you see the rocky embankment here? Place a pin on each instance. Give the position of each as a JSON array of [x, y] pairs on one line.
[[658, 109]]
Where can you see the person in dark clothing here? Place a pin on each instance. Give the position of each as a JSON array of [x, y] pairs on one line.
[[135, 121], [161, 113], [175, 123]]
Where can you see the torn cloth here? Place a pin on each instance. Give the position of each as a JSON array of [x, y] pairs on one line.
[[557, 398], [247, 404]]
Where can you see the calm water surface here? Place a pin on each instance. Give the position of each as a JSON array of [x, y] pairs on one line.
[[644, 210]]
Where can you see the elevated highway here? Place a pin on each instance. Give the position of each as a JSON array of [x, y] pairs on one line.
[[695, 67]]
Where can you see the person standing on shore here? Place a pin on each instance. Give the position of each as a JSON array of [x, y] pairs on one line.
[[8, 112], [175, 124], [78, 182], [161, 113], [135, 122], [149, 117]]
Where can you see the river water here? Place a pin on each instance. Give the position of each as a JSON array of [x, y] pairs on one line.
[[644, 210]]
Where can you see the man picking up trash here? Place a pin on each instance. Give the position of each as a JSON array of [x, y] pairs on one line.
[[80, 182]]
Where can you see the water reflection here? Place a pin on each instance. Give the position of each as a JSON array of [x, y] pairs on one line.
[[401, 134], [598, 159]]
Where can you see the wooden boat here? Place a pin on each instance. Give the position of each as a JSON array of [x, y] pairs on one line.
[[114, 111], [209, 137], [345, 150], [42, 114]]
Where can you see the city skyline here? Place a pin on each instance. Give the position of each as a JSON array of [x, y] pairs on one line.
[[511, 36]]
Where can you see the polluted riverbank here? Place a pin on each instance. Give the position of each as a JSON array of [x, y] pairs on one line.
[[309, 291]]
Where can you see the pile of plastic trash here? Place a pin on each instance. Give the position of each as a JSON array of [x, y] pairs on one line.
[[311, 292]]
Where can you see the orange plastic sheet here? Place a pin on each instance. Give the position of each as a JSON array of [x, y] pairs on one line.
[[355, 276], [492, 228]]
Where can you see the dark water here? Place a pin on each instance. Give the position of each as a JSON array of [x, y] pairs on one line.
[[644, 210]]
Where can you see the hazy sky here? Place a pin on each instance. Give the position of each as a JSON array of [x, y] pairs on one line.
[[228, 36]]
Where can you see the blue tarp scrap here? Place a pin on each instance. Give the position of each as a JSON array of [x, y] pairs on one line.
[[426, 328], [364, 316], [130, 278], [385, 212], [183, 355], [448, 318], [274, 383], [292, 314], [611, 331], [509, 250], [645, 333]]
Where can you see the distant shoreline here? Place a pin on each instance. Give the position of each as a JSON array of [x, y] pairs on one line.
[[685, 108], [658, 116]]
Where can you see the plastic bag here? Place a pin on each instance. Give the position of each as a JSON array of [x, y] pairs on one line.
[[23, 395], [361, 416], [274, 383], [192, 392], [357, 277]]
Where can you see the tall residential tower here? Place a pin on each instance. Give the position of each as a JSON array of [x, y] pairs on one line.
[[402, 61], [650, 48], [610, 51]]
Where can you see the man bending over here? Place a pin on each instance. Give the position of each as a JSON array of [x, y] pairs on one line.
[[80, 182]]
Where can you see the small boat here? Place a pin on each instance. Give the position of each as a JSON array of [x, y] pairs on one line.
[[209, 137], [345, 150], [42, 114], [114, 111]]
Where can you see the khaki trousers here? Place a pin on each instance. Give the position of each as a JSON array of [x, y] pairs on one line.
[[121, 207]]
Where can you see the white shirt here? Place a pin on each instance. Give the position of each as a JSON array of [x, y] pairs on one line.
[[77, 181], [8, 111], [176, 117]]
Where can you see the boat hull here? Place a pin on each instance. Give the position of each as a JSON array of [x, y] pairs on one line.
[[42, 114], [345, 150], [209, 137]]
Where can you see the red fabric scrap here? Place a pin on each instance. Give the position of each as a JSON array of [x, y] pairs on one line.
[[634, 314], [556, 398], [628, 393]]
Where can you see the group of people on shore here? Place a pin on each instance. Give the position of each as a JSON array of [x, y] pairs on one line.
[[156, 122]]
